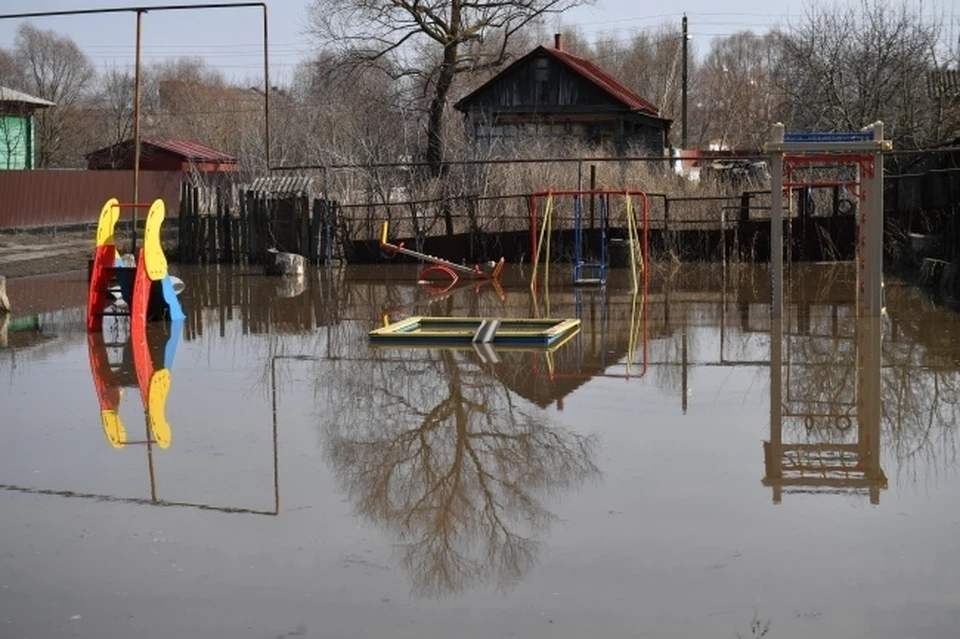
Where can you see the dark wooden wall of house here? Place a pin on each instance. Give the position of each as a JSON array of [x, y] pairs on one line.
[[542, 83]]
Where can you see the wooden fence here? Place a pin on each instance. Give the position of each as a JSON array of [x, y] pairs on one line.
[[225, 225]]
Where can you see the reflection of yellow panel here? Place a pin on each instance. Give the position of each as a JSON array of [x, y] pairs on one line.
[[113, 428], [518, 332], [466, 346], [156, 261], [159, 389], [109, 215]]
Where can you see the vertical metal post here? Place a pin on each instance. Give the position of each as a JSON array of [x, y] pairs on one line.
[[875, 229], [266, 89], [593, 187], [776, 224], [136, 132], [683, 97]]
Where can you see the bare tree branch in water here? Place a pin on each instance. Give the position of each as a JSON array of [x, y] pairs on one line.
[[437, 452]]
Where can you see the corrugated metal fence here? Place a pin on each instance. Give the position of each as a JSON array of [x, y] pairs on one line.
[[62, 197]]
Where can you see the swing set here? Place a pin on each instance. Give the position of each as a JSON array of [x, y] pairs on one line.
[[589, 273]]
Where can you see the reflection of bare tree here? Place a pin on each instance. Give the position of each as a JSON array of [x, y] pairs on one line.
[[443, 456]]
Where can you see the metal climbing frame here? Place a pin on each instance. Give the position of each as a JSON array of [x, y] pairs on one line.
[[863, 149]]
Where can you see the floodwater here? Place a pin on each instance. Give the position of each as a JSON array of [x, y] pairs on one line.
[[633, 482]]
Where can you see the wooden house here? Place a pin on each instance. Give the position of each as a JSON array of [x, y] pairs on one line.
[[554, 94], [17, 137]]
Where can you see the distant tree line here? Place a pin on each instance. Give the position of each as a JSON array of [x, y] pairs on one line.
[[380, 85]]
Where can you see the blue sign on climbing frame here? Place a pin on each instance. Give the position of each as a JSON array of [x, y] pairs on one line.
[[817, 136]]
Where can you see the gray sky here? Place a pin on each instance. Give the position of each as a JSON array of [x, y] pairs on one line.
[[231, 39]]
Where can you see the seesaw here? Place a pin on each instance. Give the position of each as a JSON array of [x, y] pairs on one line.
[[440, 265]]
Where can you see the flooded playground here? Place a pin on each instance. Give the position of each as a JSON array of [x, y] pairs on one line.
[[665, 471]]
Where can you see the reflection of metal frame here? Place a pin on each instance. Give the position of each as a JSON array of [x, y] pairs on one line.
[[829, 466]]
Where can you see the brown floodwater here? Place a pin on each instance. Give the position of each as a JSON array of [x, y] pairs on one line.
[[632, 482]]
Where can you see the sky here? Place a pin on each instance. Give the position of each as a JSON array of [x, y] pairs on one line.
[[232, 39]]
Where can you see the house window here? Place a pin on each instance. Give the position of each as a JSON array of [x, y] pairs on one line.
[[541, 76]]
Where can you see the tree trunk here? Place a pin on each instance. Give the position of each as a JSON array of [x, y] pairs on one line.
[[435, 145]]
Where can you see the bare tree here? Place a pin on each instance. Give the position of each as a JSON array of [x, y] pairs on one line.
[[737, 98], [117, 94], [844, 68], [52, 67], [8, 69], [434, 41]]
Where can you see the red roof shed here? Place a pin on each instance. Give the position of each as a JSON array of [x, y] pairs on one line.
[[162, 155]]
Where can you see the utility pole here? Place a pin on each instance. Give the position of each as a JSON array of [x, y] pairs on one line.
[[683, 98], [136, 133]]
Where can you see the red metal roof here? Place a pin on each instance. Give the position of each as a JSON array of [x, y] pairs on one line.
[[608, 83], [192, 151]]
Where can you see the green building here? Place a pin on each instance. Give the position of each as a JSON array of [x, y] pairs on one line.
[[17, 139]]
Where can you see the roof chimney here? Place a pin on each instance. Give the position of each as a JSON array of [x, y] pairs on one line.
[[558, 41]]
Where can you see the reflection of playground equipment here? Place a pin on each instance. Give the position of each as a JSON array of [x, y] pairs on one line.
[[488, 352], [152, 352], [450, 286], [588, 273], [840, 464], [146, 288], [441, 331], [438, 265], [108, 379], [637, 343]]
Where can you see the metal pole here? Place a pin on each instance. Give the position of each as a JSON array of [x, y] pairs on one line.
[[683, 102], [136, 132], [875, 229], [266, 89], [776, 224]]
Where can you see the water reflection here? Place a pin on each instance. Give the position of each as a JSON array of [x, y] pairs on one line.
[[829, 402], [145, 363], [431, 447]]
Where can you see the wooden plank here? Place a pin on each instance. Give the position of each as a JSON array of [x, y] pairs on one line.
[[316, 227]]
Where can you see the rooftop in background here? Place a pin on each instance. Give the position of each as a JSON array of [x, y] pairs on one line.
[[604, 80], [8, 95], [584, 68], [162, 155]]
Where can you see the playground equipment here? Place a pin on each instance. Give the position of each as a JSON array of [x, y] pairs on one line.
[[147, 288], [589, 273], [438, 264], [152, 352], [598, 269], [863, 150]]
